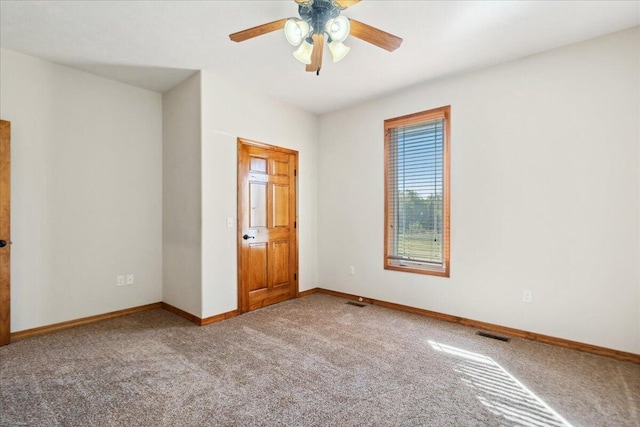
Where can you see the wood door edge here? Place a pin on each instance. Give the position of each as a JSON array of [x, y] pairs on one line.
[[5, 286], [240, 287], [296, 228]]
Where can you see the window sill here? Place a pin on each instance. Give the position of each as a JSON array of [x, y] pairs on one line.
[[417, 268]]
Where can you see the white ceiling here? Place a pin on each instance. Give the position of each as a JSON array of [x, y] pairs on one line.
[[156, 44]]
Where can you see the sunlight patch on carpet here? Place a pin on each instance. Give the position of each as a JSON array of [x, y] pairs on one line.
[[500, 392]]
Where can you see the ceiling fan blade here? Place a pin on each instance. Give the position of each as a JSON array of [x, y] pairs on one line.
[[374, 36], [346, 3], [316, 55], [241, 36]]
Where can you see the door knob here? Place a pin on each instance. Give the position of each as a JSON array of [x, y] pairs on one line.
[[3, 243], [247, 237]]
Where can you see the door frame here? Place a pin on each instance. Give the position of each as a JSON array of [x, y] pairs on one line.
[[5, 231], [242, 294]]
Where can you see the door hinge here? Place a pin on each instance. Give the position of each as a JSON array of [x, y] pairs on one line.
[[295, 224], [295, 276], [295, 172]]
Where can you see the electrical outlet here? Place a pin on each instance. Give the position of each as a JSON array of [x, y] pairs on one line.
[[120, 280], [352, 270], [130, 279], [527, 296]]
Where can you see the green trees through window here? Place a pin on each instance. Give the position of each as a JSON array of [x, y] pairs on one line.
[[420, 227]]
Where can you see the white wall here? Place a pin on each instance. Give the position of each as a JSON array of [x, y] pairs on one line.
[[181, 201], [545, 192], [545, 195], [229, 112], [86, 191]]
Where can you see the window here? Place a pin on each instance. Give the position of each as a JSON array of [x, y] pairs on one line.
[[417, 192]]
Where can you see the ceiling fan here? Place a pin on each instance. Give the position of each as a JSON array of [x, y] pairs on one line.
[[317, 19]]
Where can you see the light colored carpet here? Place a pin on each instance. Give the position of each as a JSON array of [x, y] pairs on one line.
[[313, 361]]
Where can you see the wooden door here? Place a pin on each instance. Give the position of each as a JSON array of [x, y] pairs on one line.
[[5, 237], [267, 232]]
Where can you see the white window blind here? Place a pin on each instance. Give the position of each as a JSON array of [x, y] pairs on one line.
[[416, 224]]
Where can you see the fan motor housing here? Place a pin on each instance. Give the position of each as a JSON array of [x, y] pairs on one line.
[[318, 13]]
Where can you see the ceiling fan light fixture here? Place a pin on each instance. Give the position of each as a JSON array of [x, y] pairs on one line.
[[320, 21], [338, 50], [295, 30], [338, 28], [303, 53]]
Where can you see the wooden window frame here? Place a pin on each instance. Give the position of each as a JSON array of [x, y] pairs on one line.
[[411, 119]]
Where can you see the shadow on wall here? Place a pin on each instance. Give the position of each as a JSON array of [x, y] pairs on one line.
[[156, 79]]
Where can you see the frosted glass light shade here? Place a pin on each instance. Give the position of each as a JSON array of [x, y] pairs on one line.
[[338, 28], [303, 53], [338, 50], [295, 30]]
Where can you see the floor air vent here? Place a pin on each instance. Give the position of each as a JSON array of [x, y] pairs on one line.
[[357, 304], [494, 336]]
